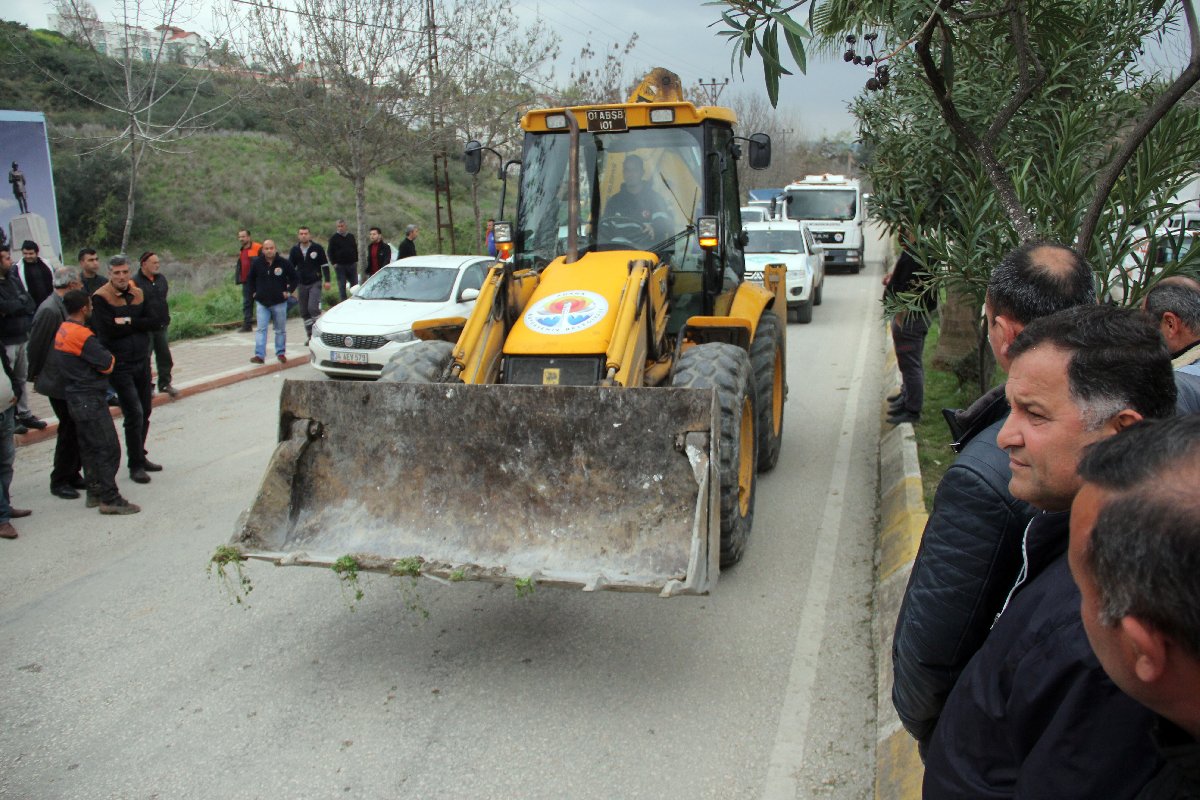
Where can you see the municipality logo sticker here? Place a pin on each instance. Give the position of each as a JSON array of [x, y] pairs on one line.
[[566, 312]]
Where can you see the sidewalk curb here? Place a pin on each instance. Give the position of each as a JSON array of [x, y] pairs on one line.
[[185, 390], [902, 517]]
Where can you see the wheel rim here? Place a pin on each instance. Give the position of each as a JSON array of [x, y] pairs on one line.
[[745, 457]]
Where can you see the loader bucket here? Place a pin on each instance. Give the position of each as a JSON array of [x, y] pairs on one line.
[[595, 488]]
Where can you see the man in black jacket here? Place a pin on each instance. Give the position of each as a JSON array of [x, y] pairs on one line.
[[408, 246], [272, 281], [311, 265], [154, 289], [65, 477], [1033, 713], [379, 253], [16, 317], [343, 254], [971, 548], [121, 322], [909, 328], [1135, 552]]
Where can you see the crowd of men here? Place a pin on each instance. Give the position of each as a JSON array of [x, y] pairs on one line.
[[271, 283], [1048, 643], [78, 337]]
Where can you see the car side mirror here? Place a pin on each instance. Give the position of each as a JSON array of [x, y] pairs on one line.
[[467, 295], [743, 239]]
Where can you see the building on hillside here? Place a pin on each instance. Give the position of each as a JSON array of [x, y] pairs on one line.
[[131, 41]]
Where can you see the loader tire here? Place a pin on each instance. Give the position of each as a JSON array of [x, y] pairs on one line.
[[726, 368], [770, 384], [422, 362]]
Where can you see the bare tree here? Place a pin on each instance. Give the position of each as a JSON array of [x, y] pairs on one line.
[[496, 71], [136, 81], [348, 80], [602, 82]]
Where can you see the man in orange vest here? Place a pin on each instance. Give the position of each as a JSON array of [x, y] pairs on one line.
[[248, 251]]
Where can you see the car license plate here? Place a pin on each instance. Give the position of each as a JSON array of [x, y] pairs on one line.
[[606, 120], [347, 358]]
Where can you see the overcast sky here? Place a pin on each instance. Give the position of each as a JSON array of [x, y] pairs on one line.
[[675, 35]]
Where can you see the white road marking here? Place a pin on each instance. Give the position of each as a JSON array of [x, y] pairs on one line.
[[787, 755]]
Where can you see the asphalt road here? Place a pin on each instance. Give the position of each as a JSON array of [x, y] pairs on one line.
[[130, 675]]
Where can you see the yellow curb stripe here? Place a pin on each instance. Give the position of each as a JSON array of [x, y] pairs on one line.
[[899, 771], [898, 545]]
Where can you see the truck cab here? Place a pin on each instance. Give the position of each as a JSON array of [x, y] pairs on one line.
[[832, 207]]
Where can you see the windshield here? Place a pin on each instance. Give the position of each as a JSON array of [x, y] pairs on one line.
[[637, 189], [821, 204], [418, 284], [775, 242]]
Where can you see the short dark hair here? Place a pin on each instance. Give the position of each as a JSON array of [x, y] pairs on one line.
[[303, 228], [1182, 301], [244, 230], [1144, 552], [30, 244], [1024, 287], [1118, 360], [75, 300], [118, 260], [377, 230], [86, 251]]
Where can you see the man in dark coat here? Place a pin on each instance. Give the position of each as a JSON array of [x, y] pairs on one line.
[[343, 254], [971, 548], [248, 250], [85, 365], [408, 246], [311, 264], [65, 478], [121, 322], [154, 289], [1135, 552], [16, 318], [272, 281], [1033, 713], [909, 328]]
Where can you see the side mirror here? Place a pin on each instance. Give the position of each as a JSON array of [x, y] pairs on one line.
[[760, 151], [743, 239], [467, 295], [473, 157]]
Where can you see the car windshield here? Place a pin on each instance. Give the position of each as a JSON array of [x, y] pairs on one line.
[[775, 242], [821, 204], [415, 283], [637, 188]]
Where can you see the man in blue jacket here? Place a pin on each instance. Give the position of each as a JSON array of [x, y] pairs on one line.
[[1033, 713], [272, 281]]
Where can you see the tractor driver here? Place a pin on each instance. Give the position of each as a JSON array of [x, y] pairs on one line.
[[636, 202]]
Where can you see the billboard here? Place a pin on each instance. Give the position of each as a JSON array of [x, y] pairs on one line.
[[27, 206]]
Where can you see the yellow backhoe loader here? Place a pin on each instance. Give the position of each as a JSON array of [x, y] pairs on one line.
[[599, 419]]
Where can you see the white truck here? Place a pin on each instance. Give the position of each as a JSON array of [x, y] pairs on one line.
[[831, 206]]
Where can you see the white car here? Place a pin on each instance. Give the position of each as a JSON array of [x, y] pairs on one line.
[[788, 242], [358, 337]]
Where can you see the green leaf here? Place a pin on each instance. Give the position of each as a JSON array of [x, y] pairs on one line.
[[772, 79], [791, 25], [797, 48]]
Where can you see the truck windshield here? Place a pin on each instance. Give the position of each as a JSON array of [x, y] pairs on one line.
[[637, 190], [821, 204]]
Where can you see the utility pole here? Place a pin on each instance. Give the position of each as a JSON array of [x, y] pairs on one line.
[[713, 89], [441, 166]]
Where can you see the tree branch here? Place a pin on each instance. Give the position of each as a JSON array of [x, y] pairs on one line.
[[1026, 85], [1107, 178]]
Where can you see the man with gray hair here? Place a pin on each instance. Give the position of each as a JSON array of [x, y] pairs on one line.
[[1033, 713], [1174, 304], [65, 477], [408, 246], [971, 548]]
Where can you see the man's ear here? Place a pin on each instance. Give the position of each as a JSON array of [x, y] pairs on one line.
[[1170, 322], [1004, 330], [1147, 646], [1123, 419]]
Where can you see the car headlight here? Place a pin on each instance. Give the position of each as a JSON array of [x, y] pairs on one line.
[[316, 328], [405, 335]]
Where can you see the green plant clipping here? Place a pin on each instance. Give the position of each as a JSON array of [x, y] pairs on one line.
[[407, 566], [524, 586], [235, 582], [347, 571]]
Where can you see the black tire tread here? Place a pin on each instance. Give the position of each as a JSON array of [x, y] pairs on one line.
[[726, 368], [767, 342], [422, 362]]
